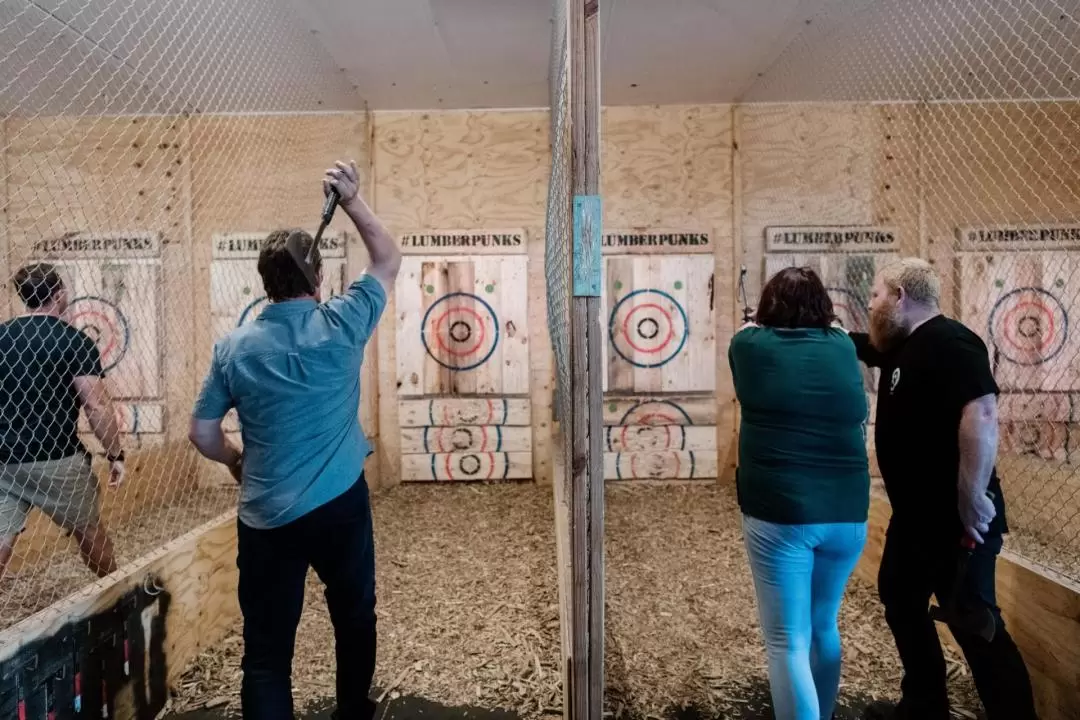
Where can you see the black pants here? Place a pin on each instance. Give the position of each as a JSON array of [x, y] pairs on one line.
[[916, 563], [337, 541]]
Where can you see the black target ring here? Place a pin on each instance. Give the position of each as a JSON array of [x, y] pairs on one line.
[[459, 331], [469, 465], [648, 328]]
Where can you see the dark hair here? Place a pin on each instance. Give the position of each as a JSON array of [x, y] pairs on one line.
[[282, 277], [795, 298], [37, 284]]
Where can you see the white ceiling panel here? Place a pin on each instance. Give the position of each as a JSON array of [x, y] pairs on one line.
[[158, 56]]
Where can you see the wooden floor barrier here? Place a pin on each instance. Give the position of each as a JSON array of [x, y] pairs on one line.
[[119, 644], [1041, 610]]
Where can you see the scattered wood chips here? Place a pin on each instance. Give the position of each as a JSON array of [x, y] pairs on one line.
[[468, 611]]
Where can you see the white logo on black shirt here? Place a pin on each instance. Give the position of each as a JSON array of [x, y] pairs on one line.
[[894, 381]]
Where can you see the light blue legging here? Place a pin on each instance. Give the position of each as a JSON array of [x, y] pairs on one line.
[[800, 572]]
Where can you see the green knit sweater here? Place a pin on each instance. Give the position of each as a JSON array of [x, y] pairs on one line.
[[802, 439]]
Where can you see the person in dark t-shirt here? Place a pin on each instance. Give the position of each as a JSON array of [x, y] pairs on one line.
[[48, 370], [936, 440]]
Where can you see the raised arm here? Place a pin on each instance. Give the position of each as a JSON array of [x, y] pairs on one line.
[[382, 249]]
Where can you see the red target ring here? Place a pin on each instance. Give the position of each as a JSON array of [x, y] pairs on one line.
[[459, 332], [649, 333], [648, 328], [105, 324]]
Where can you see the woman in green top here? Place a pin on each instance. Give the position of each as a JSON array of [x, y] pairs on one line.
[[803, 482]]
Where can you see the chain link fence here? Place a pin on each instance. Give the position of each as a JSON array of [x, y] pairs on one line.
[[952, 126], [142, 146]]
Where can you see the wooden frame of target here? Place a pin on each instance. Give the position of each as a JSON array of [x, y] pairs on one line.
[[658, 314], [236, 291], [1021, 303], [113, 282], [462, 349], [847, 260]]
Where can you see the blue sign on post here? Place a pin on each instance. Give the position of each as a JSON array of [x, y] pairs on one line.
[[588, 231]]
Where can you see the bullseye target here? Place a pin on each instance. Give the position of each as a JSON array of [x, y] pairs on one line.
[[648, 328], [460, 331], [1040, 438], [463, 439], [654, 465], [849, 308], [656, 412], [105, 324], [471, 466], [646, 438], [252, 310], [1028, 326]]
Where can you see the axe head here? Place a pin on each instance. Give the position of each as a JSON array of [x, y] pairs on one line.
[[978, 621], [302, 258]]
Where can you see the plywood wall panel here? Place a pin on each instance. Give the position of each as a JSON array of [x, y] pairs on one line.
[[115, 175], [835, 164], [468, 170], [997, 164], [671, 168]]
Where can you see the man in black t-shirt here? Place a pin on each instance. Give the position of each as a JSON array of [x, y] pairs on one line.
[[936, 440], [48, 370]]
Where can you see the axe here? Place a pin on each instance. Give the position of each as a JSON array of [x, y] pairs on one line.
[[978, 620], [304, 260]]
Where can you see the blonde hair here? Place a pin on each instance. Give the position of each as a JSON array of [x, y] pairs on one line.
[[917, 277]]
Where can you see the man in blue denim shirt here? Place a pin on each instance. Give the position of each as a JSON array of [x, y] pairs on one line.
[[293, 376]]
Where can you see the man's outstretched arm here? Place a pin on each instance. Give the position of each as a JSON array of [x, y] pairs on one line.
[[382, 249]]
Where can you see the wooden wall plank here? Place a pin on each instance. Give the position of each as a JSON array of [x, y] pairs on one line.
[[466, 438], [645, 438], [449, 412], [661, 465], [674, 410], [467, 467]]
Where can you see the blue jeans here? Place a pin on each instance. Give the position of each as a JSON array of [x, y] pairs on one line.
[[800, 572]]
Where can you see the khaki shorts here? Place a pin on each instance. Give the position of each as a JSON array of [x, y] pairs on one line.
[[66, 490]]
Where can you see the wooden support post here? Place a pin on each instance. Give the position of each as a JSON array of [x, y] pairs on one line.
[[586, 424]]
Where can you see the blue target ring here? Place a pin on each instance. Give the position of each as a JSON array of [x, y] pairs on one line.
[[250, 307], [458, 331], [112, 329], [648, 328]]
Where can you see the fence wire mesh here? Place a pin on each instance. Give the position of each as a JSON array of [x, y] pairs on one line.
[[955, 124], [134, 137], [558, 242]]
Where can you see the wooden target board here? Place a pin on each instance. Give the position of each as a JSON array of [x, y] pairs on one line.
[[236, 289], [657, 310], [113, 281], [658, 315], [1021, 304], [660, 438], [1040, 424], [463, 367]]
